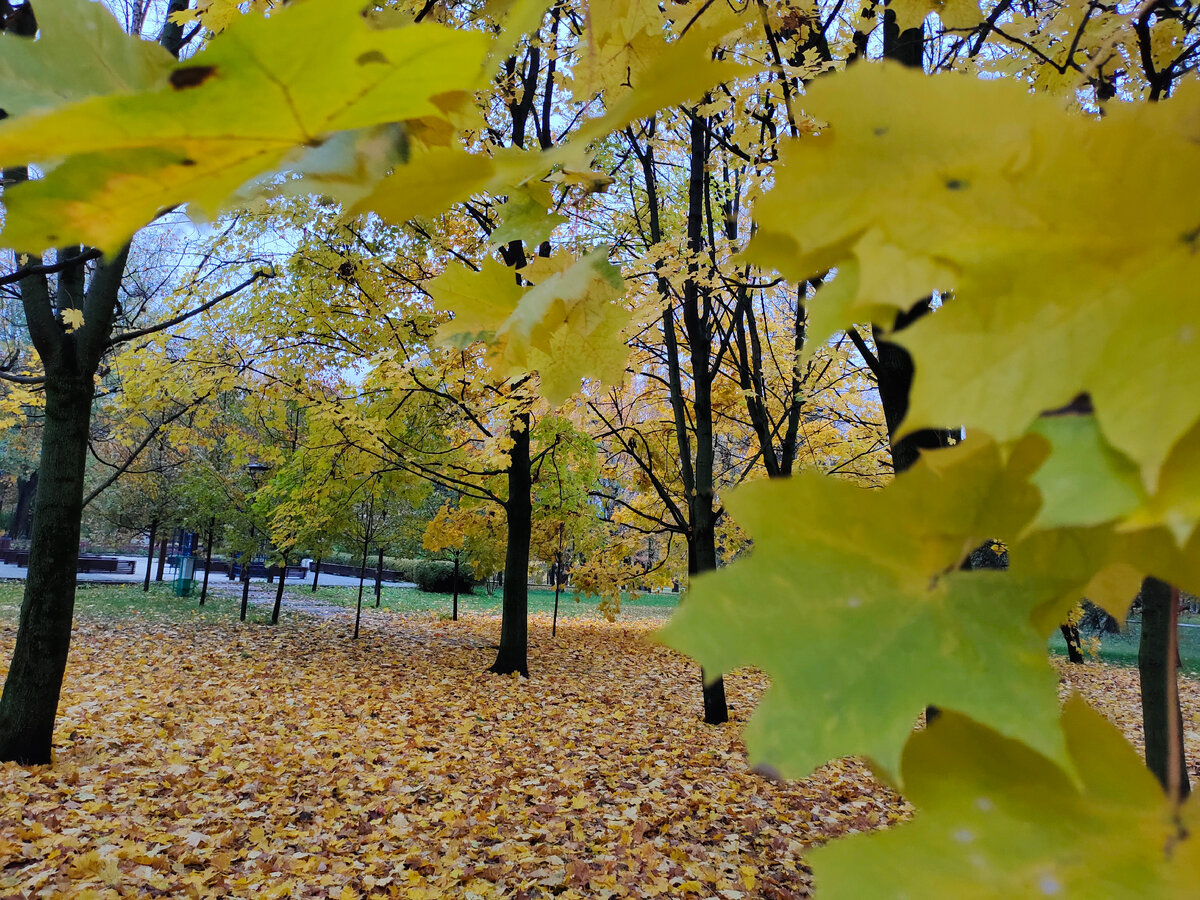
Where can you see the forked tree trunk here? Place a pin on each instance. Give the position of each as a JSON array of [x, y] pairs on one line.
[[31, 690], [1158, 662], [513, 654]]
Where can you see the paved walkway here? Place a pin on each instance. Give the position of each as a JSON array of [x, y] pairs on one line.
[[218, 577]]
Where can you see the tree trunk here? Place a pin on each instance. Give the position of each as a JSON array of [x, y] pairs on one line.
[[150, 553], [454, 607], [245, 588], [279, 591], [379, 579], [362, 574], [212, 525], [1158, 661], [557, 591], [513, 654], [22, 524], [1074, 644], [316, 575], [162, 559], [31, 690]]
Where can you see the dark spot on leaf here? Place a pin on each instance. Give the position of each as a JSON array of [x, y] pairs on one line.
[[371, 56], [880, 131], [957, 184], [187, 162], [1192, 237], [1080, 405], [3, 113], [191, 76]]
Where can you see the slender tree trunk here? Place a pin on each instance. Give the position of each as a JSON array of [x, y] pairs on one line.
[[697, 317], [162, 559], [554, 621], [212, 526], [362, 574], [379, 579], [279, 591], [454, 607], [245, 589], [31, 690], [150, 554], [513, 654], [1074, 644], [316, 575], [1158, 663]]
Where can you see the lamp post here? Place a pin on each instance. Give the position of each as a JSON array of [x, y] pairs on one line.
[[255, 470]]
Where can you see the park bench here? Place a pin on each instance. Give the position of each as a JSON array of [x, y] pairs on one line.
[[105, 564], [258, 570]]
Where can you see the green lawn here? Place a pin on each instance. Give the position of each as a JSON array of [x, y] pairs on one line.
[[1122, 649], [122, 601], [540, 601]]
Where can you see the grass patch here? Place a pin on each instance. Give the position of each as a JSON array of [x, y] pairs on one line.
[[117, 601], [399, 599], [1122, 649]]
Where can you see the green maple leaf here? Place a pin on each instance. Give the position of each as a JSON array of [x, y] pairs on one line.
[[80, 52], [863, 624], [525, 216], [1083, 481], [263, 94], [997, 820]]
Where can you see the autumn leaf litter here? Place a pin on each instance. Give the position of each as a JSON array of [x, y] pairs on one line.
[[200, 759]]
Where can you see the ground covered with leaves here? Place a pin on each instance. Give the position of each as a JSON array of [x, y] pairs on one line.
[[200, 757]]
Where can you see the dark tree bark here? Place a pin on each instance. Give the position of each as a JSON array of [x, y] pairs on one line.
[[245, 587], [379, 579], [31, 690], [362, 575], [212, 525], [22, 525], [1074, 643], [70, 360], [162, 559], [557, 591], [513, 653], [454, 606], [279, 591], [316, 575], [1158, 663], [150, 554]]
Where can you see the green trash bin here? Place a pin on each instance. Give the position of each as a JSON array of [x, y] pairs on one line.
[[183, 576]]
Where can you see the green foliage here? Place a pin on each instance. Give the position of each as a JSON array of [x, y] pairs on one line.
[[82, 52], [436, 576], [881, 623], [995, 819]]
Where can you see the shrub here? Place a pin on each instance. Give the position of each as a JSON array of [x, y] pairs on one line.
[[436, 576]]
